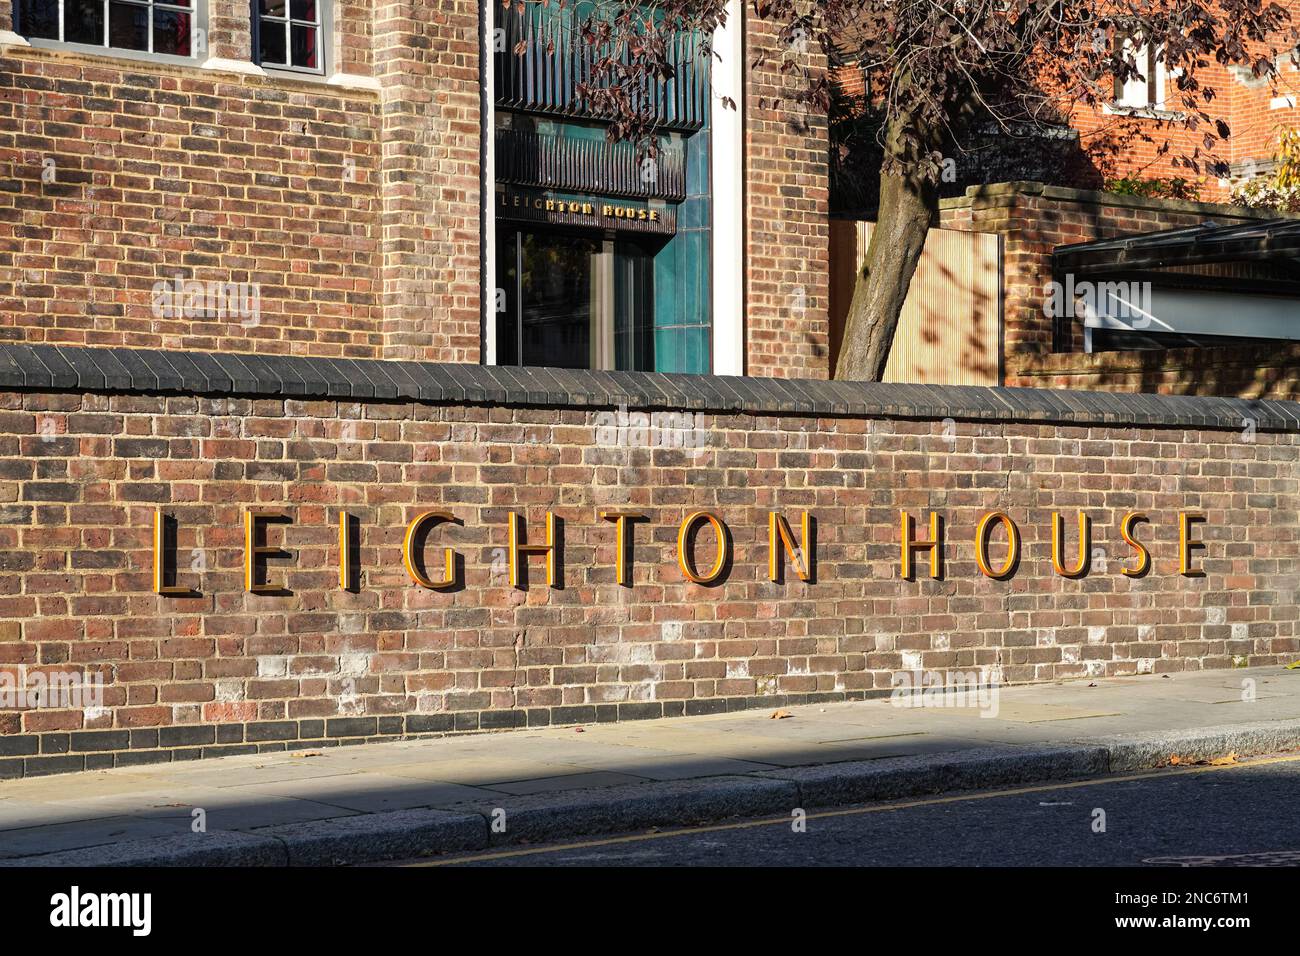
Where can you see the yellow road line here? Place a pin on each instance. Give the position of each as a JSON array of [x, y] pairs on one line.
[[854, 811]]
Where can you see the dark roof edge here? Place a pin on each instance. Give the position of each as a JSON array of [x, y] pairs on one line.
[[66, 368]]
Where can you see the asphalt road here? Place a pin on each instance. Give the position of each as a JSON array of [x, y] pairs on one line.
[[1181, 816]]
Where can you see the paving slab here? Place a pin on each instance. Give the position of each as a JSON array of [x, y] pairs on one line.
[[364, 792], [351, 804], [576, 781], [478, 772]]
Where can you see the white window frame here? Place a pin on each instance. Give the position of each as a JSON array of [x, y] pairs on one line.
[[198, 12], [1136, 93], [1188, 312], [324, 34]]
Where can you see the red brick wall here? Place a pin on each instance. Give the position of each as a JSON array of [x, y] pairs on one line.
[[787, 219], [81, 476], [1243, 371]]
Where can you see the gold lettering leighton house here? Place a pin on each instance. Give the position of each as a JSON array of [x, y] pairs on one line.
[[782, 546]]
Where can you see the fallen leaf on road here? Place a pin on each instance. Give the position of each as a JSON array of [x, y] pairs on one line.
[[779, 715], [1231, 758], [313, 753]]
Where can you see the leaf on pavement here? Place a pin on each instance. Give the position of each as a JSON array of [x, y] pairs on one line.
[[779, 715]]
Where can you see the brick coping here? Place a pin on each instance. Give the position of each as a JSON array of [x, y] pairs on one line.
[[79, 369], [1094, 197]]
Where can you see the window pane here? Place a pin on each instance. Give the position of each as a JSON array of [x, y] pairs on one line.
[[83, 21], [304, 10], [39, 18], [506, 298], [171, 33], [304, 47], [273, 44], [558, 276], [128, 26], [273, 8]]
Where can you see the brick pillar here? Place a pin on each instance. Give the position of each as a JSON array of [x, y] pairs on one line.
[[426, 59], [788, 234], [230, 31], [1027, 223]]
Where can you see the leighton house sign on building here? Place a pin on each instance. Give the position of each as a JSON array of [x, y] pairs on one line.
[[389, 458]]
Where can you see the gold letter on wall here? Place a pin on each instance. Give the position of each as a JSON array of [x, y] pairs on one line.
[[1186, 544], [345, 552], [252, 550], [1144, 556], [934, 545], [623, 540], [519, 551], [982, 544], [160, 559], [800, 555], [687, 562], [413, 564], [1058, 546]]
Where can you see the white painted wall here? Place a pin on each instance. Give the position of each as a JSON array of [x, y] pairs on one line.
[[728, 180], [488, 187]]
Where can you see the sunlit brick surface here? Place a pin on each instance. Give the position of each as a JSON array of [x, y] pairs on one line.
[[81, 477]]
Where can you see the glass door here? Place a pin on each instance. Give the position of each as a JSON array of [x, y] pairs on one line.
[[570, 299], [557, 278], [634, 313]]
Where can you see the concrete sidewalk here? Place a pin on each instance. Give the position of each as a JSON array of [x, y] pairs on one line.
[[412, 798]]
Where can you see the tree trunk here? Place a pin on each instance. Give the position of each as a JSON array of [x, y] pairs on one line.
[[908, 206]]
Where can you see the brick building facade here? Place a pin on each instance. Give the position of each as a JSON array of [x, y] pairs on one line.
[[1145, 131], [355, 195]]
